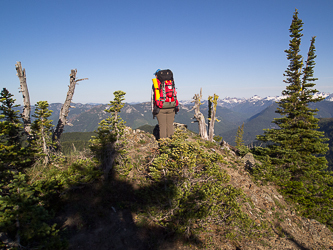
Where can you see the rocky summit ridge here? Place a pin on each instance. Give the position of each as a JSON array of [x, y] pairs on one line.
[[120, 224]]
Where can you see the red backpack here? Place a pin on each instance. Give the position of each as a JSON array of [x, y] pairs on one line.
[[167, 90]]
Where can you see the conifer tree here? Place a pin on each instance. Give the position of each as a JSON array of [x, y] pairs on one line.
[[104, 144], [295, 147], [242, 149], [239, 137], [12, 155], [41, 130], [11, 126]]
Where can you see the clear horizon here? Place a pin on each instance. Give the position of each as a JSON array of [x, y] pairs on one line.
[[233, 49]]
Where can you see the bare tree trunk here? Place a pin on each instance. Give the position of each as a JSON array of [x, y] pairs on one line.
[[199, 116], [108, 159], [26, 99], [46, 157], [213, 103], [65, 107]]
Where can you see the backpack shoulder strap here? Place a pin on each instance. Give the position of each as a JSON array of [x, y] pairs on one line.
[[174, 90], [162, 89]]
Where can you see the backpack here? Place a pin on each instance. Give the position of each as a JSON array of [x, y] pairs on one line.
[[167, 90]]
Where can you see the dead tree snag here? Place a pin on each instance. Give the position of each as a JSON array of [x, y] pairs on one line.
[[26, 99], [65, 107], [198, 116], [212, 103]]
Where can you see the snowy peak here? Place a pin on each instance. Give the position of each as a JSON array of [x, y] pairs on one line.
[[327, 96], [229, 102], [232, 100]]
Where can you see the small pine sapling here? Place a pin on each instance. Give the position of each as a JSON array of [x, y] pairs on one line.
[[240, 142], [105, 143], [41, 130]]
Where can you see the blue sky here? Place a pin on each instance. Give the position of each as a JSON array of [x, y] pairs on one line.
[[231, 48]]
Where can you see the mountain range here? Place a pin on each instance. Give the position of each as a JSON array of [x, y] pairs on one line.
[[256, 113]]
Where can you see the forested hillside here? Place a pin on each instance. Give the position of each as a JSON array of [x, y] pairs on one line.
[[254, 125], [75, 141]]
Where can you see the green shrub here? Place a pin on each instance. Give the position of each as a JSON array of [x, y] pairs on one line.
[[191, 191]]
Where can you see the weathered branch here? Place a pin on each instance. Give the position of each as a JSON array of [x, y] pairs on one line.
[[199, 116], [26, 99], [65, 107]]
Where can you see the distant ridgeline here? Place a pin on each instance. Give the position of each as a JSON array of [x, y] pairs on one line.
[[256, 113]]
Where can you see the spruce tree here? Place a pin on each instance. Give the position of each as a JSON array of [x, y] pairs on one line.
[[296, 147], [104, 144], [41, 130], [243, 150], [239, 137], [12, 155], [13, 129]]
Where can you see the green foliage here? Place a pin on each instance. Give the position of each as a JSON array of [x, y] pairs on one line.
[[193, 191], [243, 150], [294, 149], [30, 196], [69, 147], [75, 141], [12, 154], [11, 128], [41, 130], [326, 126], [212, 104], [218, 138], [29, 204], [24, 217], [79, 172], [109, 130], [76, 136], [239, 136]]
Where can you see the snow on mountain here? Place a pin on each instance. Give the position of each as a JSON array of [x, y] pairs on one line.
[[185, 102], [329, 98], [229, 102], [232, 100], [325, 95]]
